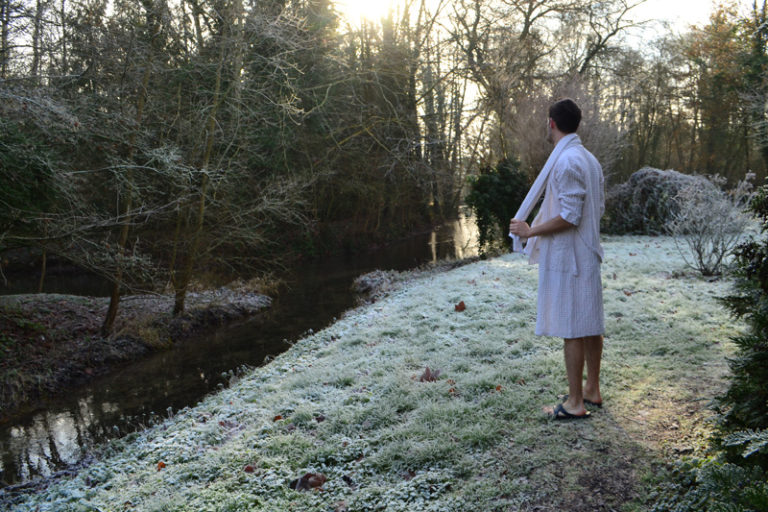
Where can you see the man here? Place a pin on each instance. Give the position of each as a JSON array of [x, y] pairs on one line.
[[564, 239]]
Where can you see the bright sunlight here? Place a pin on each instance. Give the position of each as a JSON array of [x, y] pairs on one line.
[[357, 11]]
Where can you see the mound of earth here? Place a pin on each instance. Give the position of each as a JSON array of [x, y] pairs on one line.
[[50, 342]]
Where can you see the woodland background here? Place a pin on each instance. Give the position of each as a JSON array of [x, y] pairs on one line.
[[151, 140]]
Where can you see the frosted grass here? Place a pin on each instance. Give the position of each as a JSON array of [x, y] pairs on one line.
[[351, 405]]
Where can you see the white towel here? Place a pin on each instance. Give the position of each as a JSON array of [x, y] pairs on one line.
[[537, 189]]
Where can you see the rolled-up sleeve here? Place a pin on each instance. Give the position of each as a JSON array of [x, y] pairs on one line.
[[572, 192]]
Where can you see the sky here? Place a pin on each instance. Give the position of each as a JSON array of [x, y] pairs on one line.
[[680, 13]]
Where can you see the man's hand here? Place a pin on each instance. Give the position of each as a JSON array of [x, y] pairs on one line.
[[519, 228], [554, 225]]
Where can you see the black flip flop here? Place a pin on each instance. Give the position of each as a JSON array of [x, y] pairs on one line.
[[559, 414], [599, 405]]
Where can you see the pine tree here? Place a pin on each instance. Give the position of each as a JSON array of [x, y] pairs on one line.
[[745, 404]]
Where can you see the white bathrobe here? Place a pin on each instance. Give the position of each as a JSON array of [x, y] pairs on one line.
[[570, 298]]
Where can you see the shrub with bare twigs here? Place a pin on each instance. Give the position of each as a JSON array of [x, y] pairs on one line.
[[709, 222]]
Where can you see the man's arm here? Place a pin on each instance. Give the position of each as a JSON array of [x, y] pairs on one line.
[[554, 225]]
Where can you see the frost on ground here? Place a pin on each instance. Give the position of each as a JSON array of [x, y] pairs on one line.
[[348, 403]]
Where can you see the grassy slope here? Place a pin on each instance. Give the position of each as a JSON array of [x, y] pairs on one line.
[[390, 442]]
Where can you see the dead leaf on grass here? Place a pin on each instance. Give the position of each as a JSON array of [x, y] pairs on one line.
[[308, 481], [429, 375], [460, 306]]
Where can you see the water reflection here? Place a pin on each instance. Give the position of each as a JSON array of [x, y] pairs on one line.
[[50, 440], [62, 430]]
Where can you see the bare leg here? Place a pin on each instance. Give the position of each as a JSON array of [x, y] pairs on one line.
[[593, 353], [574, 367]]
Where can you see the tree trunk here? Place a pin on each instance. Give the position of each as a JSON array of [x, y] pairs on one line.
[[5, 22], [36, 33], [62, 13], [42, 271], [114, 298], [182, 284]]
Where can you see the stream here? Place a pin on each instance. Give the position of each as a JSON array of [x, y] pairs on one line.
[[61, 431]]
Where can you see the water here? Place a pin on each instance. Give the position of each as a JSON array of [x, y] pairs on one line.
[[60, 431]]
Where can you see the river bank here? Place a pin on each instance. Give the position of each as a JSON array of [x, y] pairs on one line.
[[351, 402], [51, 342]]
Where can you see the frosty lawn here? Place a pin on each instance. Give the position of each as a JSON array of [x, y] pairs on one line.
[[347, 402]]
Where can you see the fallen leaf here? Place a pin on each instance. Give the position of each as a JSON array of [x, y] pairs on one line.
[[498, 388], [452, 390], [628, 293], [308, 481], [160, 465], [451, 382], [521, 382], [429, 375], [460, 306], [249, 469], [277, 418]]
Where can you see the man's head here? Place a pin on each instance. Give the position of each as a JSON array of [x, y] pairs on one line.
[[566, 114]]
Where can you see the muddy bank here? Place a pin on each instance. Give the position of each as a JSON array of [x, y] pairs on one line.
[[50, 342]]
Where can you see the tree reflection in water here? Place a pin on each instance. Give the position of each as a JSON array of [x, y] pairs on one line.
[[64, 429]]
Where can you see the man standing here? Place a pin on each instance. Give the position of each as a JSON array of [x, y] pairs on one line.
[[564, 239]]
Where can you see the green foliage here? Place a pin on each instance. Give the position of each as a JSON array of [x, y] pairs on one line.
[[711, 485], [495, 195], [754, 441], [26, 180], [745, 403]]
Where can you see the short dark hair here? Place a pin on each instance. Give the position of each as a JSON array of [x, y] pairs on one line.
[[566, 114]]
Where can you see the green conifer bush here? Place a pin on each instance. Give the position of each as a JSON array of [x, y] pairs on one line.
[[494, 197]]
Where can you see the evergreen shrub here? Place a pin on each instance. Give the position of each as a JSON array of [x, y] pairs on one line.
[[495, 195], [745, 404], [26, 180]]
